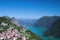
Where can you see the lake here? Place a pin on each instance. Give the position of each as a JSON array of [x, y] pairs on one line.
[[39, 32]]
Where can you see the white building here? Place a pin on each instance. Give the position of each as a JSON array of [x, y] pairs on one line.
[[4, 24]]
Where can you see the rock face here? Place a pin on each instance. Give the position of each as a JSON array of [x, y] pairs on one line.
[[54, 30], [15, 21], [45, 21]]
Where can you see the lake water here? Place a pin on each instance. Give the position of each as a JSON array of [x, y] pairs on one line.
[[39, 31]]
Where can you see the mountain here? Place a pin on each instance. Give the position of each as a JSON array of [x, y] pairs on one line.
[[45, 21], [10, 31], [13, 20], [27, 21], [54, 30]]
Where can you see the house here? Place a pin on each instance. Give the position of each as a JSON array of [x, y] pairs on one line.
[[3, 24]]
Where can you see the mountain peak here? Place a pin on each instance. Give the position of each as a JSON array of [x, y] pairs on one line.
[[45, 21]]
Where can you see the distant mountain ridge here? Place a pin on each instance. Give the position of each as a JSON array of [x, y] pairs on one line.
[[45, 21], [27, 21]]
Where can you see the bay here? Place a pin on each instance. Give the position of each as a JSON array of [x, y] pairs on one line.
[[39, 32]]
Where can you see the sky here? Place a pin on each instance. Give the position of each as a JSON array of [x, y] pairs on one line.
[[29, 8]]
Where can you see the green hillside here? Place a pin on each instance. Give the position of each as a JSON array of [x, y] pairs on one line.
[[10, 31], [54, 30]]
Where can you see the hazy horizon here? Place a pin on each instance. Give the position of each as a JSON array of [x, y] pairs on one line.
[[29, 8]]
